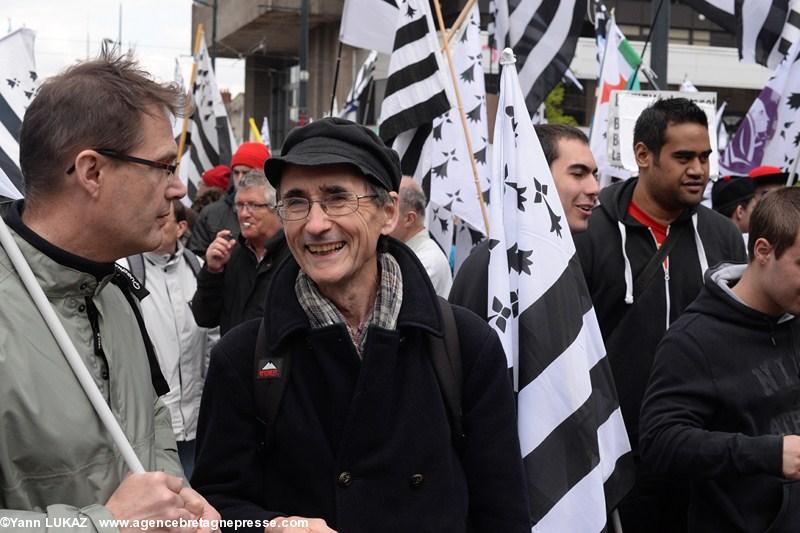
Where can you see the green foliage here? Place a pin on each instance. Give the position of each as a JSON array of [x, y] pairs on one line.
[[553, 111]]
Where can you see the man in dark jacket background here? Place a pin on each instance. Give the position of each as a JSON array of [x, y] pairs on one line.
[[221, 214], [361, 441], [721, 408], [637, 293], [233, 281]]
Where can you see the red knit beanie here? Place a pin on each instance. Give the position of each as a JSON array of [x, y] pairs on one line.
[[219, 176], [250, 154]]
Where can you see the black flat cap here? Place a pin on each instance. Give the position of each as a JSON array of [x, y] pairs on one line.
[[335, 140], [730, 191]]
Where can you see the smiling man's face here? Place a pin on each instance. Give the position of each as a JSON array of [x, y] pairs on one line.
[[575, 175]]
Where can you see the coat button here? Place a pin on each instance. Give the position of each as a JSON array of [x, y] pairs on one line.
[[416, 480], [345, 479]]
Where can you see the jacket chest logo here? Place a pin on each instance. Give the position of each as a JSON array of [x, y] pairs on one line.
[[268, 369]]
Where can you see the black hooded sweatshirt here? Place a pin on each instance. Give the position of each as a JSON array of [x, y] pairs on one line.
[[633, 327], [723, 392]]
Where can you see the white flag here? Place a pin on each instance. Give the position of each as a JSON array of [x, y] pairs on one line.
[[17, 89], [770, 132], [540, 307], [369, 24]]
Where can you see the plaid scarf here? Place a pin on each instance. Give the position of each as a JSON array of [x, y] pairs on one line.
[[322, 312]]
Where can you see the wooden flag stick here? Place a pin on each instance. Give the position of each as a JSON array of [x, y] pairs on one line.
[[187, 111], [460, 20], [461, 114]]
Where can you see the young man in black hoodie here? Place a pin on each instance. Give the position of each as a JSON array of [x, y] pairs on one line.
[[644, 254], [722, 408]]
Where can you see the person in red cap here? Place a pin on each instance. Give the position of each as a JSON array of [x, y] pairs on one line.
[[221, 214], [767, 178], [219, 176]]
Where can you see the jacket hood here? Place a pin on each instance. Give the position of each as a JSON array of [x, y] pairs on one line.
[[420, 306], [717, 299]]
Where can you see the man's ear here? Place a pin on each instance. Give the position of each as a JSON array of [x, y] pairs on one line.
[[391, 211], [738, 213], [87, 174], [762, 250], [644, 157], [183, 225]]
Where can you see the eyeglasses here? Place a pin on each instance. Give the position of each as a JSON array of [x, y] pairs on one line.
[[250, 206], [113, 154], [334, 205]]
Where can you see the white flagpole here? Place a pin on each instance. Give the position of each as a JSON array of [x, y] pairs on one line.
[[68, 348]]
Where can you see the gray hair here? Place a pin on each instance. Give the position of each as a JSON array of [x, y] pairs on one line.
[[256, 178], [412, 198]]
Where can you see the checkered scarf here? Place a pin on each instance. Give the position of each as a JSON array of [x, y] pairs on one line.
[[322, 312]]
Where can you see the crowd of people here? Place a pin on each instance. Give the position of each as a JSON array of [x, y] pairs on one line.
[[294, 345]]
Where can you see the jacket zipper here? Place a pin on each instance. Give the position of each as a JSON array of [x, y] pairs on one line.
[[665, 268]]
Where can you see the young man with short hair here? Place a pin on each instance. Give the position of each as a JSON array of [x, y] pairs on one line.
[[721, 408]]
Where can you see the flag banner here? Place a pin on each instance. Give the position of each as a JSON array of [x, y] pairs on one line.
[[620, 62], [544, 36], [766, 29], [574, 445], [600, 27], [18, 87], [265, 132], [369, 24], [452, 179], [770, 133], [720, 12], [416, 86], [722, 131], [211, 133], [687, 86], [358, 93], [186, 171], [466, 238]]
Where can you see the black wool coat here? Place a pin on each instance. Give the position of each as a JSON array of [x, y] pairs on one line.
[[365, 445]]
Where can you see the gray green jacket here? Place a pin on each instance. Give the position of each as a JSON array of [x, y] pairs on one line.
[[56, 459]]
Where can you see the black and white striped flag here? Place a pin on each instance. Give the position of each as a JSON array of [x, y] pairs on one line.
[[766, 29], [360, 89], [543, 36], [18, 85], [574, 445], [210, 131], [416, 87]]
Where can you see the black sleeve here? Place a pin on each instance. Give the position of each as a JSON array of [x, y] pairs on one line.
[[680, 400], [491, 456], [207, 300], [201, 233], [471, 285], [228, 468]]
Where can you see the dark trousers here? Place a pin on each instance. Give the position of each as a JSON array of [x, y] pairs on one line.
[[186, 454], [656, 504]]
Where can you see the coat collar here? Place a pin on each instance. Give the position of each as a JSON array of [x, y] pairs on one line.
[[420, 304]]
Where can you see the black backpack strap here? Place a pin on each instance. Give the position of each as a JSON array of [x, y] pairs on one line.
[[194, 262], [446, 358], [654, 265], [270, 375], [136, 266]]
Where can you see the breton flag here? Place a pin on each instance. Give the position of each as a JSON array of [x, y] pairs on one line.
[[766, 29], [574, 445], [18, 86], [416, 87], [452, 182], [211, 135], [185, 164], [357, 97], [369, 24], [543, 36], [620, 62], [770, 133]]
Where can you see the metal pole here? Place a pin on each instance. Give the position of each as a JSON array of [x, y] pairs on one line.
[[303, 100], [214, 36], [336, 76], [660, 39]]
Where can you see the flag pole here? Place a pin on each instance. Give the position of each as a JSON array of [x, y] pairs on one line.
[[461, 114], [186, 114], [460, 20], [68, 348], [336, 76]]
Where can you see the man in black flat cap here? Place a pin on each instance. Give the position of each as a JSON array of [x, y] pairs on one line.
[[361, 401]]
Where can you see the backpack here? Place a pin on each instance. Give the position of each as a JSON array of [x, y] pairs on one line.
[[272, 373], [136, 265]]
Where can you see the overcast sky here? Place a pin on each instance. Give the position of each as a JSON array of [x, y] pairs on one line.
[[158, 30]]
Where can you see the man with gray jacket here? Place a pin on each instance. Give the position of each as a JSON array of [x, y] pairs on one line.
[[97, 154]]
